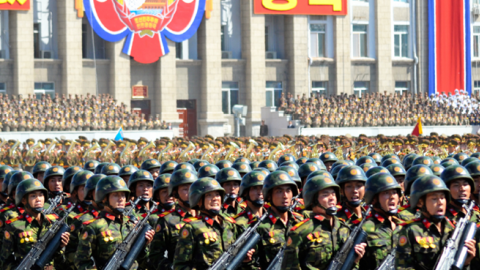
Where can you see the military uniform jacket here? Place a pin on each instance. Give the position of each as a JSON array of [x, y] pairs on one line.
[[350, 218], [141, 212], [99, 238], [406, 213], [233, 211], [420, 243], [8, 212], [167, 233], [313, 242], [202, 241], [20, 234]]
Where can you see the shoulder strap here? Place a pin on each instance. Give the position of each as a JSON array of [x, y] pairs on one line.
[[299, 224], [90, 221], [190, 219]]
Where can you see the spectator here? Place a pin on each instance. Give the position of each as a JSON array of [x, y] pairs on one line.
[[290, 124], [263, 129]]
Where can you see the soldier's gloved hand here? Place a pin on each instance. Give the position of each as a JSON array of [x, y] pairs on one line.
[[249, 255], [65, 239], [149, 236], [470, 244], [360, 250]]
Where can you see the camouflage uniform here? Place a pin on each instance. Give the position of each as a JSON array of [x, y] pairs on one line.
[[350, 218], [406, 213], [233, 211]]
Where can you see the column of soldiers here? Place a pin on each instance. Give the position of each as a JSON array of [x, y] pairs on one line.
[[78, 113], [306, 199]]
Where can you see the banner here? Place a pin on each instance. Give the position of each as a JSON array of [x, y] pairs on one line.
[[449, 46], [15, 5], [297, 7], [145, 23]]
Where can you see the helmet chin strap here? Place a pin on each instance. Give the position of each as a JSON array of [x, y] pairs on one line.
[[186, 204], [211, 212], [388, 212], [257, 203], [36, 210], [434, 218]]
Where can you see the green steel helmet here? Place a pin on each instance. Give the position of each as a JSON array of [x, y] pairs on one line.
[[251, 179], [193, 160], [436, 160], [334, 171], [477, 155], [389, 156], [301, 161], [286, 157], [99, 167], [269, 165], [378, 183], [162, 181], [91, 165], [413, 174], [317, 161], [68, 174], [315, 185], [290, 164], [460, 157], [424, 185], [168, 167], [328, 157], [111, 169], [423, 160], [377, 157], [185, 165], [28, 186], [390, 161], [275, 179], [200, 163], [227, 174], [397, 170], [375, 170], [53, 171], [455, 172], [263, 170], [350, 162], [110, 184], [6, 181], [127, 170], [150, 164], [4, 169], [242, 159], [321, 172], [408, 160], [468, 160], [140, 175], [92, 184], [350, 173], [473, 168], [254, 164], [181, 177], [39, 167], [292, 172], [15, 179], [437, 169], [224, 164], [208, 170], [306, 169], [447, 162], [79, 179], [201, 187], [242, 167], [340, 162], [365, 159], [367, 166]]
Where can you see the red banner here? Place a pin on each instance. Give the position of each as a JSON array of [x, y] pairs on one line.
[[139, 91], [304, 7], [15, 5]]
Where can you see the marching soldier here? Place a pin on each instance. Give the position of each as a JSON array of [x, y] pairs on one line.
[[230, 180], [351, 180], [251, 192]]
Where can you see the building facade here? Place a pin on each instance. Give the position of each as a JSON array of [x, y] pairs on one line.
[[236, 57]]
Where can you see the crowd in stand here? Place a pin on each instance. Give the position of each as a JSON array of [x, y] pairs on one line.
[[71, 113], [377, 109]]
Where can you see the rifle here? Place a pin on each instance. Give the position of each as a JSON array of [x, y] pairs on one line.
[[345, 257], [43, 250], [294, 202], [455, 253], [128, 251], [53, 204], [276, 263], [389, 262], [235, 254]]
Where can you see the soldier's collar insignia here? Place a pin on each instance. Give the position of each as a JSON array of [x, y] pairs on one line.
[[452, 211], [320, 217], [426, 223], [208, 220], [111, 217], [272, 218], [181, 212], [379, 217]]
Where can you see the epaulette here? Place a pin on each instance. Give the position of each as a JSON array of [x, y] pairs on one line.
[[299, 224], [357, 221], [190, 219], [239, 214], [231, 220], [300, 208], [13, 219], [449, 221], [166, 213], [410, 221], [90, 221], [7, 208], [52, 216], [339, 207], [297, 214], [243, 204], [79, 215], [341, 219]]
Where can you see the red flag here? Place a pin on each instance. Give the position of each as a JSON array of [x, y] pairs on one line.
[[417, 130]]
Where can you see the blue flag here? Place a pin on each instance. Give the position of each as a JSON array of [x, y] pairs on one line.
[[119, 136]]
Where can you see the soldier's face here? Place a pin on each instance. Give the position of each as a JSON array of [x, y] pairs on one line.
[[35, 199], [329, 164], [144, 189], [401, 181], [282, 195], [163, 195], [80, 192], [327, 198], [476, 179], [117, 199], [354, 191], [212, 201], [388, 199], [231, 187], [183, 192], [55, 183], [460, 189], [435, 203], [155, 172], [125, 178], [255, 193], [40, 176]]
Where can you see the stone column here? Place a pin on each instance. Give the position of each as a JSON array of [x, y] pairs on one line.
[[253, 51], [296, 51], [120, 81], [342, 30], [70, 47], [210, 117], [422, 46], [21, 50], [383, 40]]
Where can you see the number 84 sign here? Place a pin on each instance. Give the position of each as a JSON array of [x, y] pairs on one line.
[[297, 7]]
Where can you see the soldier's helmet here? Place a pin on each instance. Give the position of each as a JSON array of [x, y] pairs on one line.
[[290, 164], [27, 186], [301, 161], [4, 169], [334, 171], [319, 163], [340, 162], [455, 172], [111, 169], [200, 163], [377, 157], [5, 182], [185, 165], [140, 175], [423, 160], [408, 160], [242, 167], [316, 184], [269, 165], [79, 179], [413, 174], [201, 187], [389, 161], [162, 181], [477, 155], [150, 164], [127, 170], [53, 171], [39, 167], [278, 178], [226, 175], [449, 162], [367, 166], [286, 157], [181, 177], [350, 173], [306, 169], [242, 159], [328, 157], [388, 156], [110, 184], [224, 164], [378, 183], [424, 185], [396, 170], [460, 157], [251, 179], [365, 159], [168, 167], [436, 160], [68, 174], [473, 168], [254, 164], [468, 160], [15, 179], [91, 165], [208, 170], [293, 174], [264, 170], [91, 184], [437, 169]]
